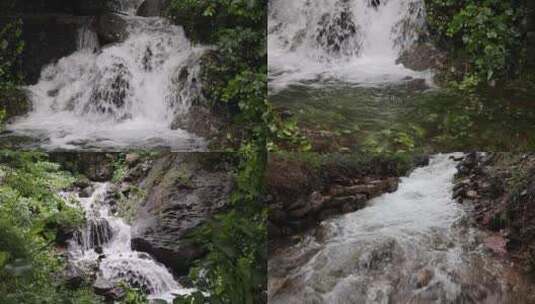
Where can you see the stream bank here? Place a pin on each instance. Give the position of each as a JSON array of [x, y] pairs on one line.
[[307, 188], [500, 189]]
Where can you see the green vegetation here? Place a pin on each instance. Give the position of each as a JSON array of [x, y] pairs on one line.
[[484, 38], [235, 76], [234, 269], [32, 217], [11, 47]]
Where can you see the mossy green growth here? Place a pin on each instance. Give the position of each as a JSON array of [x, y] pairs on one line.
[[31, 215]]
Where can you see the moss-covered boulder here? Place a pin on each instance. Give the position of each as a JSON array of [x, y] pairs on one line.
[[14, 103]]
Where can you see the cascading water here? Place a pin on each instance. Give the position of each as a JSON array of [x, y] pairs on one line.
[[126, 95], [105, 243], [411, 246], [356, 41]]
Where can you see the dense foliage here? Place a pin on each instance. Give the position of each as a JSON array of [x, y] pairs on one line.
[[11, 47], [483, 34], [31, 216], [235, 76]]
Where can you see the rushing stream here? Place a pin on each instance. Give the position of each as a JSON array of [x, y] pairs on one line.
[[124, 95], [415, 245], [105, 243]]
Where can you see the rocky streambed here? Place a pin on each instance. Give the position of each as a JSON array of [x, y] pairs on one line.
[[414, 245]]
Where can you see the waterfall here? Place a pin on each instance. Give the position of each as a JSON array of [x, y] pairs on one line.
[[105, 241], [356, 41], [124, 95], [87, 39], [411, 246]]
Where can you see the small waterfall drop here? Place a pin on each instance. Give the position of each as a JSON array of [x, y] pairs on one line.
[[87, 39], [105, 243], [356, 41], [411, 246], [127, 94]]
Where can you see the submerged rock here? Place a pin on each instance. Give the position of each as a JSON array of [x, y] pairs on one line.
[[108, 290]]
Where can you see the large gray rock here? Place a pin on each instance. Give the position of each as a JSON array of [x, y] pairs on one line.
[[111, 28], [108, 290], [152, 8], [182, 192], [421, 57]]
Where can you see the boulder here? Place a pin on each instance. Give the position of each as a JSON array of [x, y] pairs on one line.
[[15, 103], [82, 182], [421, 57], [108, 290], [151, 8], [182, 192], [111, 28], [86, 192], [95, 166]]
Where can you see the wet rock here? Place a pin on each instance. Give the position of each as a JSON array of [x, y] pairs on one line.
[[82, 182], [108, 290], [151, 8], [86, 192], [372, 189], [421, 160], [421, 57], [348, 203], [169, 211], [423, 278], [99, 250], [96, 167], [111, 28]]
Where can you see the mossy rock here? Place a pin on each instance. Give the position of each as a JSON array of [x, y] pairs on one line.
[[15, 103]]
